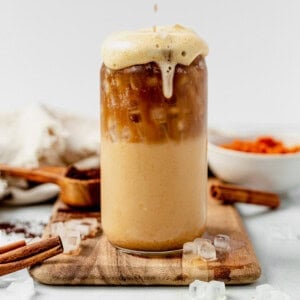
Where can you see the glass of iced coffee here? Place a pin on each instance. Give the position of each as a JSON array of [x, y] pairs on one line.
[[153, 138]]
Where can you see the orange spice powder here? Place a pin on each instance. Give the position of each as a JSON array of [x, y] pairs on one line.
[[263, 145]]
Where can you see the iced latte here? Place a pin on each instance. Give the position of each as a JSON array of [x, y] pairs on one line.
[[153, 138]]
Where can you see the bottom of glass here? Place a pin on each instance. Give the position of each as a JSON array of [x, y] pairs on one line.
[[167, 253]]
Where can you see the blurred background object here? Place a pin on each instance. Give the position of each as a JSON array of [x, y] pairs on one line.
[[38, 135]]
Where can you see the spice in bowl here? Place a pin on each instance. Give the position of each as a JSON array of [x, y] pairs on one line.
[[262, 145], [257, 161]]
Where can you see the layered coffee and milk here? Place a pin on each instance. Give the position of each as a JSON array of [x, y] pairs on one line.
[[153, 146]]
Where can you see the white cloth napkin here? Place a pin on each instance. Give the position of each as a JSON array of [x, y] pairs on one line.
[[39, 135]]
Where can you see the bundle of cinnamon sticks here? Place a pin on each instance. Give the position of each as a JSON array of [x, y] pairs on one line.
[[19, 255]]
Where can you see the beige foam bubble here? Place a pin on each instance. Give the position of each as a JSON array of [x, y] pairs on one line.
[[167, 46]]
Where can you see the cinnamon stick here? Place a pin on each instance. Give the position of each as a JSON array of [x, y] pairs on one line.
[[12, 246], [232, 194], [28, 255]]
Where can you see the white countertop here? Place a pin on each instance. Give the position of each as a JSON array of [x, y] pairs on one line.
[[278, 253]]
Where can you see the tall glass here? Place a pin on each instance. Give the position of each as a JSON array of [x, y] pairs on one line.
[[153, 156]]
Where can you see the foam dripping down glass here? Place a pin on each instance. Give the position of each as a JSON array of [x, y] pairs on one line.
[[153, 138]]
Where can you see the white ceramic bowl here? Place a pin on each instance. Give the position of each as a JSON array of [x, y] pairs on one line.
[[270, 172]]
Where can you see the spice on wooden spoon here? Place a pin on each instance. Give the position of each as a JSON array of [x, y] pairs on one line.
[[79, 188]]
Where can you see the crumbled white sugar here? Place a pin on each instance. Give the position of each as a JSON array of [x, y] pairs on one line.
[[222, 242], [209, 247], [205, 249], [72, 231], [189, 251], [70, 240]]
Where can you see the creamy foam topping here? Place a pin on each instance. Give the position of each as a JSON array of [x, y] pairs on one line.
[[166, 45]]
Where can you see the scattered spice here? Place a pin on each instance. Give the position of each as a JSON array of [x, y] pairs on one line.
[[263, 145], [87, 174], [27, 229]]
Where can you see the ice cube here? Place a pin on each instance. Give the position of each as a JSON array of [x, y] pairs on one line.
[[135, 84], [173, 112], [208, 236], [72, 223], [112, 130], [84, 230], [199, 241], [158, 114], [22, 289], [205, 249], [71, 241], [197, 289], [222, 242], [215, 291], [70, 233], [93, 224], [181, 125], [189, 248], [126, 134], [57, 228], [86, 226], [189, 251]]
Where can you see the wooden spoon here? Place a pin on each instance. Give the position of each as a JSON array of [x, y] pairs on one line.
[[79, 188]]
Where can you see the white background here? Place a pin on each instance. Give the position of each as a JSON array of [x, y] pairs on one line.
[[50, 52]]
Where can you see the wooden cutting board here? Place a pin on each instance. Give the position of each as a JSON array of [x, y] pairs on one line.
[[99, 263]]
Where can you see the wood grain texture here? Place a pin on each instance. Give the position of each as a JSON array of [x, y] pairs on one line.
[[99, 263]]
